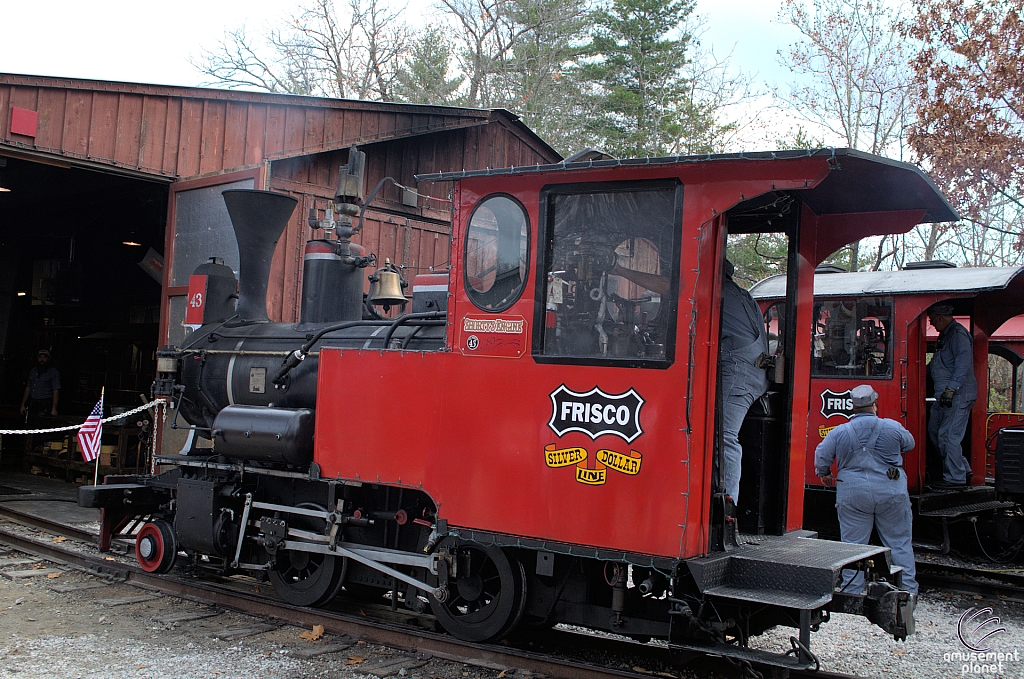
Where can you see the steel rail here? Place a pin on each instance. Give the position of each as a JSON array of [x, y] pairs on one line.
[[27, 519], [439, 645], [971, 580]]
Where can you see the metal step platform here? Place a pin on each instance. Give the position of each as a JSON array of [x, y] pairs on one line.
[[934, 511], [795, 571], [968, 509], [957, 502]]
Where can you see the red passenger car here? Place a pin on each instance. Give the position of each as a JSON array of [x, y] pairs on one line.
[[535, 442], [872, 327]]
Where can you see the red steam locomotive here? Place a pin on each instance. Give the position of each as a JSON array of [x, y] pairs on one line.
[[535, 442], [872, 326]]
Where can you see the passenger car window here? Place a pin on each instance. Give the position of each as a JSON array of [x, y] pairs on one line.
[[612, 266], [852, 338], [497, 247], [775, 327]]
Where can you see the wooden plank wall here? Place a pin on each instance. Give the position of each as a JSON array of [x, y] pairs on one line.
[[186, 132], [416, 239]]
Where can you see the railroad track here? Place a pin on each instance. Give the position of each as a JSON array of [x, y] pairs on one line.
[[1006, 585], [563, 655]]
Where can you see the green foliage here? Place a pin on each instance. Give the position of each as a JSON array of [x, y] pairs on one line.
[[799, 139], [423, 78], [635, 68], [757, 256], [538, 80]]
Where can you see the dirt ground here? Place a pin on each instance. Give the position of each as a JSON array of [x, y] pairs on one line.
[[60, 622]]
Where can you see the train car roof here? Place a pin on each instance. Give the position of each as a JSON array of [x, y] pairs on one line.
[[916, 281], [855, 181]]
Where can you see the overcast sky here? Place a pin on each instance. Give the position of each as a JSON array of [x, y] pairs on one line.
[[149, 42]]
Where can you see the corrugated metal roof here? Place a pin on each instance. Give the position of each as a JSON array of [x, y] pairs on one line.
[[924, 281]]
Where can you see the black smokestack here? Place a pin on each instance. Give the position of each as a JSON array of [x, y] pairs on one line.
[[259, 218]]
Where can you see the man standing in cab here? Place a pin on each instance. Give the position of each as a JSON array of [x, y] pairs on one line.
[[956, 389], [743, 352], [871, 486]]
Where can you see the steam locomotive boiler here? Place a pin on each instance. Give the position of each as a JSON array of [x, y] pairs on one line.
[[536, 441]]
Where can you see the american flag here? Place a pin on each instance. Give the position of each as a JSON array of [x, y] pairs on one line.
[[91, 432]]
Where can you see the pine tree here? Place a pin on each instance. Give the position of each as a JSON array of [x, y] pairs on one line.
[[423, 78], [636, 63]]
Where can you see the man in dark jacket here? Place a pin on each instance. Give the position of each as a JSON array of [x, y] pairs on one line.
[[42, 390], [956, 389], [742, 348]]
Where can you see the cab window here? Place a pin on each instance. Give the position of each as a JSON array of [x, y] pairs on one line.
[[496, 251], [852, 338], [611, 269]]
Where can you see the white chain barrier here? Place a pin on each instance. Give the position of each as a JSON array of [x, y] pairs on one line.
[[112, 418]]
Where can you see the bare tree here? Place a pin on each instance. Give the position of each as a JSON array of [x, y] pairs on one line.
[[485, 33], [717, 90], [488, 33], [860, 84], [354, 52]]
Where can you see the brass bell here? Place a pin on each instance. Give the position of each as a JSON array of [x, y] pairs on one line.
[[386, 289]]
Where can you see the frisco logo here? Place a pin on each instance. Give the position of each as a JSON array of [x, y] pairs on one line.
[[596, 413], [836, 403]]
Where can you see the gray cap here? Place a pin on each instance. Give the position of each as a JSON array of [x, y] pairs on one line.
[[43, 352], [863, 395], [941, 309]]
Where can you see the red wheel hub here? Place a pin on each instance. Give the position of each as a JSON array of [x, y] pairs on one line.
[[150, 548]]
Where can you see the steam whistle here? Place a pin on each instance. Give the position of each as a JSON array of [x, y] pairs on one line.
[[328, 223], [387, 287], [347, 203]]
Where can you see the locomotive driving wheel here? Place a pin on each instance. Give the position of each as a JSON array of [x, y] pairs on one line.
[[487, 596], [307, 578], [156, 547]]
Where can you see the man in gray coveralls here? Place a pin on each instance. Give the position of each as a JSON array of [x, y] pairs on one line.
[[743, 347], [871, 491], [742, 355], [956, 389]]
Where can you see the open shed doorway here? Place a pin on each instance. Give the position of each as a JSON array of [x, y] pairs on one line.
[[80, 275]]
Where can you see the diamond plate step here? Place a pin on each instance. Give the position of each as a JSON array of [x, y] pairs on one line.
[[797, 600], [790, 570], [933, 501], [967, 509]]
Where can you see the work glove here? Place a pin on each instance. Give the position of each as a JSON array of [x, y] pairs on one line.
[[946, 400]]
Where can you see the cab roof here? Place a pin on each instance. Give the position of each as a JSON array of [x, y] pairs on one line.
[[853, 181], [916, 281]]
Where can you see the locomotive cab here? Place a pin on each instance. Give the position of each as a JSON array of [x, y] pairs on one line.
[[536, 441]]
